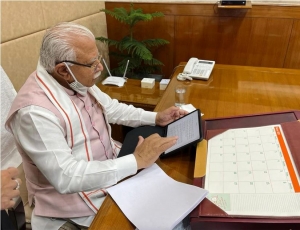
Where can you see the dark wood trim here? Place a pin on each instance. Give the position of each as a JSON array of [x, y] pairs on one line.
[[267, 36], [266, 11]]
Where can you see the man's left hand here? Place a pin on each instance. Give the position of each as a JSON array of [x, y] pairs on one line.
[[167, 116]]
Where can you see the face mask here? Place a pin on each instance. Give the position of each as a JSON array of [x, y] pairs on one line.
[[76, 85]]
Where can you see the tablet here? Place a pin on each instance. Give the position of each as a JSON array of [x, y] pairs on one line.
[[187, 128]]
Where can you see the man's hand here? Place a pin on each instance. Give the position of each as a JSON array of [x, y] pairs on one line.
[[167, 116], [148, 150], [9, 187]]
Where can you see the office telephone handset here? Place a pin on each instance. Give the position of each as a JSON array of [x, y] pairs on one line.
[[197, 69]]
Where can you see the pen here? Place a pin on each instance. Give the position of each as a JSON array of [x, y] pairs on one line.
[[106, 67]]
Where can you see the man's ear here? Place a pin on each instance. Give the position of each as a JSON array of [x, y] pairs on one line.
[[62, 71]]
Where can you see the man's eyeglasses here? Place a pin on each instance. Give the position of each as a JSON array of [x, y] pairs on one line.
[[93, 65]]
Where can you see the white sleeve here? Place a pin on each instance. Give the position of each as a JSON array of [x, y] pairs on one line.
[[124, 114], [39, 133]]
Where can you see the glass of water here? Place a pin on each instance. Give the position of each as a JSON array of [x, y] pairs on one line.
[[180, 95]]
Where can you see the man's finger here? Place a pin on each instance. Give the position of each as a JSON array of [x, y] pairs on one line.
[[154, 135], [141, 139], [167, 145], [167, 142], [13, 172], [15, 193]]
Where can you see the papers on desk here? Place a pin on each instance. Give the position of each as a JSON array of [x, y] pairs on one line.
[[250, 171], [189, 108], [153, 200]]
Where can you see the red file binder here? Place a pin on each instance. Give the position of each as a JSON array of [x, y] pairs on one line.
[[207, 215]]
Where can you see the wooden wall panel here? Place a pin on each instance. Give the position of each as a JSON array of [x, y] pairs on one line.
[[293, 53], [266, 36], [229, 40], [160, 28], [264, 11]]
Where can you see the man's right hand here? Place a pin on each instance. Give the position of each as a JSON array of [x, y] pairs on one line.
[[149, 149], [9, 187]]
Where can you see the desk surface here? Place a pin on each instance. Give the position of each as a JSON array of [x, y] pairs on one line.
[[230, 91]]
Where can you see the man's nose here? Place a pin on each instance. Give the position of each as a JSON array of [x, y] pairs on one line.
[[101, 67]]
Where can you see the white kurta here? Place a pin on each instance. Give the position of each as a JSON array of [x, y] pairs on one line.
[[38, 131]]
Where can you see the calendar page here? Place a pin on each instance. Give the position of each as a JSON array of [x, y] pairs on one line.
[[250, 171]]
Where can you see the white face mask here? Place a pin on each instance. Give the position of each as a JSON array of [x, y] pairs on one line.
[[76, 85]]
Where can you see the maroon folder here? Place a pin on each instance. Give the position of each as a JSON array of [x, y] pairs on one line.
[[208, 216]]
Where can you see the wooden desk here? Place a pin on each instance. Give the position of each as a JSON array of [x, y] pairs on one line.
[[132, 93], [231, 90]]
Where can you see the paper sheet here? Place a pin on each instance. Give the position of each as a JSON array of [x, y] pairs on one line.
[[153, 200], [250, 171], [189, 108]]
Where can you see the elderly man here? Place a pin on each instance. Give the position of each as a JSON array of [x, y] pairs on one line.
[[60, 121]]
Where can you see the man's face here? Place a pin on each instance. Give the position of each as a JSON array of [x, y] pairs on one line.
[[86, 53]]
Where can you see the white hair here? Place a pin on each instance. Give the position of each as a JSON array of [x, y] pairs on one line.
[[57, 43]]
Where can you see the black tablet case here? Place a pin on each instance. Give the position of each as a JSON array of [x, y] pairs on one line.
[[131, 138]]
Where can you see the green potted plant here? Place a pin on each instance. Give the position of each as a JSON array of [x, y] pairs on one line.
[[139, 53]]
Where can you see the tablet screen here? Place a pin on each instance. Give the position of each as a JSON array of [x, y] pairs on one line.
[[187, 128]]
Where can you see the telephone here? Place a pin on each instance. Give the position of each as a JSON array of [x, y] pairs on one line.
[[198, 69]]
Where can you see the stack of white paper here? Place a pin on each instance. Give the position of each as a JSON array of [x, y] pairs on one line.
[[153, 200]]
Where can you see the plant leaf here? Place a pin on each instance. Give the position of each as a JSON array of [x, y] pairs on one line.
[[155, 42], [137, 52], [135, 47], [108, 41], [118, 13]]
